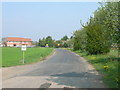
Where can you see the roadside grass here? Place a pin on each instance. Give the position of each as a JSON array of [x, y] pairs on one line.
[[13, 56], [107, 65]]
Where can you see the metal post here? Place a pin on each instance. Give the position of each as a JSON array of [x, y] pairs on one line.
[[23, 57]]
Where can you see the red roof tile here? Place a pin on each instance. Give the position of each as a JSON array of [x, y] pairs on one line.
[[17, 39]]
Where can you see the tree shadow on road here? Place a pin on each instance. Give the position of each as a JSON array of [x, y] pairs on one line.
[[78, 80]]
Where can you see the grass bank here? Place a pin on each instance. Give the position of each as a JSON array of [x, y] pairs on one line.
[[107, 65], [13, 56]]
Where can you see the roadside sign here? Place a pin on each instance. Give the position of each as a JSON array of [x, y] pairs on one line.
[[23, 47]]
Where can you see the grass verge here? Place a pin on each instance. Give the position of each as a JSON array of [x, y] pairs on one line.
[[13, 56], [107, 65]]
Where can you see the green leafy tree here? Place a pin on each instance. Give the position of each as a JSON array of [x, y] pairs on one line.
[[49, 41], [65, 45], [42, 42], [102, 30], [58, 44], [97, 42], [79, 40], [65, 38], [70, 42]]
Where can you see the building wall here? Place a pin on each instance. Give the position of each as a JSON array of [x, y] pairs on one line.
[[17, 43]]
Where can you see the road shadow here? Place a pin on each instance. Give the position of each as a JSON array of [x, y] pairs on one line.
[[78, 80], [75, 74]]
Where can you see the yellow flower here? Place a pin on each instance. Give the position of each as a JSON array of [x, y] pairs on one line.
[[106, 66]]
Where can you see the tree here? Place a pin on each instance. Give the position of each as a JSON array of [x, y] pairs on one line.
[[42, 42], [102, 30], [97, 42], [49, 41], [65, 38], [39, 42], [58, 43], [65, 45], [79, 40], [70, 42], [76, 41]]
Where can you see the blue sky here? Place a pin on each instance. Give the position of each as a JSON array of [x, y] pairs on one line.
[[39, 19]]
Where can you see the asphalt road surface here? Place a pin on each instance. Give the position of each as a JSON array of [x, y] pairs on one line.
[[63, 69]]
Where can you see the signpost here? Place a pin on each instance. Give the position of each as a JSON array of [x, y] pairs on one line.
[[23, 48]]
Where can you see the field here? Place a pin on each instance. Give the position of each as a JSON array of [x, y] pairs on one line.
[[13, 56], [107, 65]]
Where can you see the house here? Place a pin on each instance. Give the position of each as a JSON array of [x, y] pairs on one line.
[[17, 41]]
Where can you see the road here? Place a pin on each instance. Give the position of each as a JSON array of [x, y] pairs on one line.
[[62, 69]]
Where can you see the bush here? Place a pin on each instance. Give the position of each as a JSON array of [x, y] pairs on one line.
[[97, 40], [65, 45], [79, 40]]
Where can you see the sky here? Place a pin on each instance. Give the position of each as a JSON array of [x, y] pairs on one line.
[[41, 19]]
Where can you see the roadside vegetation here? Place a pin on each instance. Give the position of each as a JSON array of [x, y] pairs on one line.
[[106, 64], [98, 41], [13, 56]]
